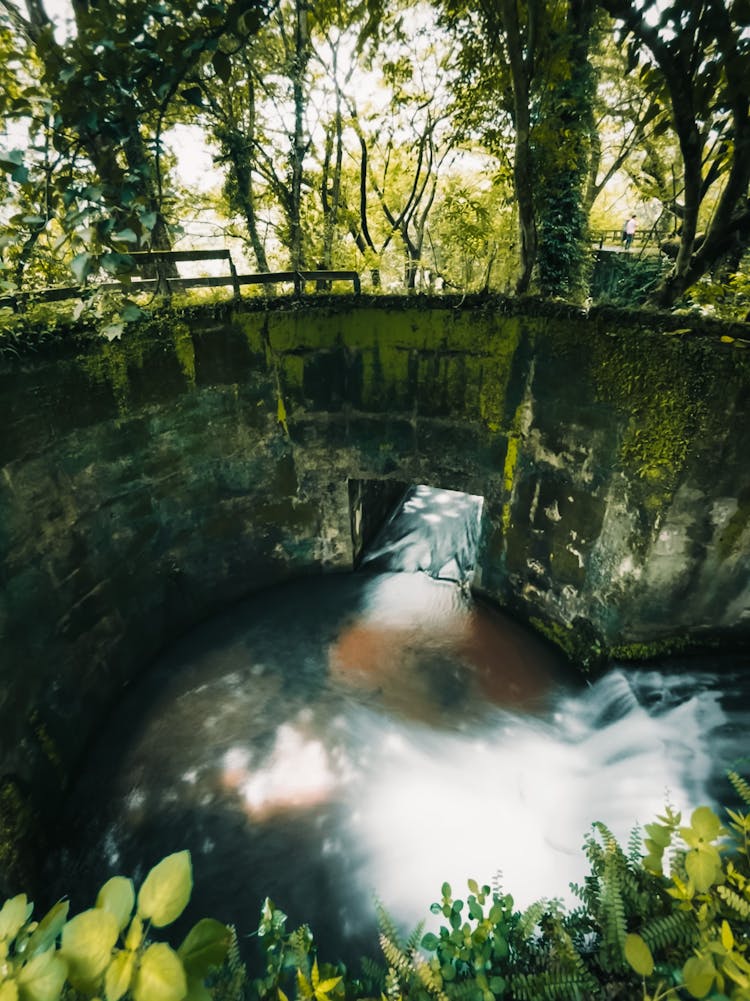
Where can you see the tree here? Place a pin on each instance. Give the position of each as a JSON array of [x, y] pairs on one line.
[[694, 58], [136, 58]]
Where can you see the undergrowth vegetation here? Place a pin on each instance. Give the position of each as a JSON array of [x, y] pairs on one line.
[[670, 923]]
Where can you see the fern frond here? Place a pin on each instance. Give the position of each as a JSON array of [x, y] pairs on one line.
[[386, 923], [740, 786], [412, 942], [373, 973], [397, 959], [429, 980], [552, 985], [635, 846], [677, 928], [734, 900], [530, 918], [612, 916]]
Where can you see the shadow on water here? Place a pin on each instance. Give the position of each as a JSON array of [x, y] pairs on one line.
[[379, 733]]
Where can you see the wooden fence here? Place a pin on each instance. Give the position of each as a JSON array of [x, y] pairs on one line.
[[164, 283]]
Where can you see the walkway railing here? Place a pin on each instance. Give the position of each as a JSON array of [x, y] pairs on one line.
[[165, 283]]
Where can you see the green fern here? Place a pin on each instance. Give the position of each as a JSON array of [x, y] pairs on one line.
[[677, 928], [733, 900], [554, 986], [740, 786]]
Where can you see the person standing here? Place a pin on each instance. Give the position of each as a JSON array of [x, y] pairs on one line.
[[628, 232]]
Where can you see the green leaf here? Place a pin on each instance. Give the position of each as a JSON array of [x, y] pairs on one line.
[[131, 312], [49, 928], [42, 978], [87, 943], [197, 990], [9, 991], [702, 868], [639, 955], [119, 975], [430, 942], [205, 945], [126, 235], [13, 916], [705, 823], [160, 976], [118, 897], [194, 96], [82, 265], [166, 890], [698, 974], [222, 65]]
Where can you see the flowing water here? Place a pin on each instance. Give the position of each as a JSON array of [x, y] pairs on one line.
[[380, 732]]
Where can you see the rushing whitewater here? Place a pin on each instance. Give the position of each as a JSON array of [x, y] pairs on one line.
[[372, 735]]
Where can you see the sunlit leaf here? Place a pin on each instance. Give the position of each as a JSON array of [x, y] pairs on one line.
[[160, 976], [639, 955], [49, 927], [205, 945], [42, 978], [698, 974], [166, 890], [87, 943], [134, 936], [9, 991], [701, 867], [119, 974], [14, 914], [118, 897]]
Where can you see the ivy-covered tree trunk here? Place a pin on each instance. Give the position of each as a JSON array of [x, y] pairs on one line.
[[564, 149]]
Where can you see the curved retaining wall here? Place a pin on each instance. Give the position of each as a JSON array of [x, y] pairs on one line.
[[146, 483]]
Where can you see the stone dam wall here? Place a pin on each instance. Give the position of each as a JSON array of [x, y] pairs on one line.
[[148, 482]]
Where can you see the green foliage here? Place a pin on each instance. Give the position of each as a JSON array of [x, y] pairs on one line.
[[106, 950]]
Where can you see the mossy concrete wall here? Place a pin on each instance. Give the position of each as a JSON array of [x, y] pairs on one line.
[[148, 482]]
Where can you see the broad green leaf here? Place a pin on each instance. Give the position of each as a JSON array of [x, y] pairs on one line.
[[82, 265], [430, 942], [698, 975], [473, 886], [160, 976], [194, 96], [49, 928], [705, 823], [134, 936], [166, 890], [42, 978], [9, 991], [118, 897], [204, 946], [13, 916], [197, 990], [727, 938], [701, 867], [222, 65], [119, 974], [87, 943], [639, 955], [126, 235]]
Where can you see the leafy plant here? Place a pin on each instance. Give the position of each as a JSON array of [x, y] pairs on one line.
[[106, 951]]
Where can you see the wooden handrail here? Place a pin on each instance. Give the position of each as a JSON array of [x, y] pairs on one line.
[[144, 258]]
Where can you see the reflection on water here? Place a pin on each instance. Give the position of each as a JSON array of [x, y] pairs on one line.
[[361, 734]]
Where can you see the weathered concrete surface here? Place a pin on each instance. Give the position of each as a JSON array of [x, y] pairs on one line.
[[147, 483]]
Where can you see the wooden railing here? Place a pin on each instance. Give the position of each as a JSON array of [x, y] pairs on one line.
[[166, 283]]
